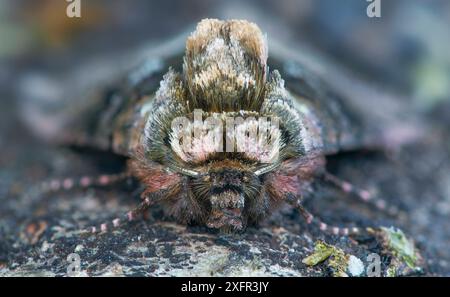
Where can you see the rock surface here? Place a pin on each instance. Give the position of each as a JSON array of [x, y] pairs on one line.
[[43, 239]]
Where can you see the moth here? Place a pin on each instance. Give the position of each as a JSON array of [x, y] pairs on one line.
[[225, 73]]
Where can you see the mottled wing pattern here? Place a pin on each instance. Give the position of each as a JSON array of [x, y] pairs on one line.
[[94, 104], [336, 114], [352, 113]]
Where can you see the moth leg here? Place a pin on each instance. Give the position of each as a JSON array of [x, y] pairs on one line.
[[69, 184], [312, 220], [119, 221], [131, 215], [363, 195]]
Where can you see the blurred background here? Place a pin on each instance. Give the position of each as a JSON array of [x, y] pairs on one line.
[[405, 51], [408, 48]]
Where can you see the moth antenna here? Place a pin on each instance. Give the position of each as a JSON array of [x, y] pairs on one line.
[[312, 220], [363, 195], [123, 219]]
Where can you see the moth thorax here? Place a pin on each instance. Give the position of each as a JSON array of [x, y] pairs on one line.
[[225, 65]]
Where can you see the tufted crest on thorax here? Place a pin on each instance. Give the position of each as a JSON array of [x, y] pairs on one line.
[[225, 66]]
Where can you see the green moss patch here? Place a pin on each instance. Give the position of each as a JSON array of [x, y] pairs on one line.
[[337, 259]]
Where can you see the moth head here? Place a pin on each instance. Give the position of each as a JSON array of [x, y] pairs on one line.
[[227, 190]]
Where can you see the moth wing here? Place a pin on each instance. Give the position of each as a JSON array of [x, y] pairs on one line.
[[352, 114], [85, 106]]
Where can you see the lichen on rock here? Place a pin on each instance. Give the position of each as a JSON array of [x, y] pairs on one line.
[[337, 260]]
